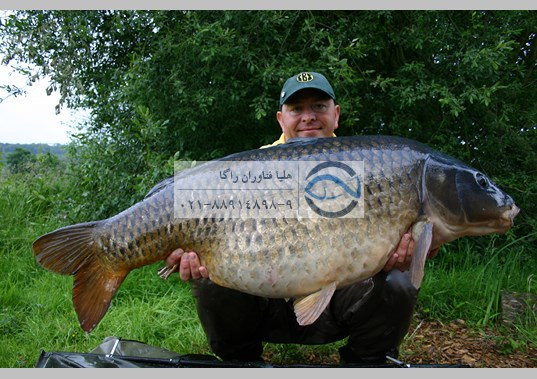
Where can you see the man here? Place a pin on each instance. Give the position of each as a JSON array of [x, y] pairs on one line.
[[374, 314]]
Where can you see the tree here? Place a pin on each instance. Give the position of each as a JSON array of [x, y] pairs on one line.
[[202, 84], [19, 160]]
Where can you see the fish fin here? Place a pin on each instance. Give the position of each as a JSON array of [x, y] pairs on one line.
[[93, 290], [309, 308], [160, 186], [165, 272], [64, 250], [422, 233], [72, 251]]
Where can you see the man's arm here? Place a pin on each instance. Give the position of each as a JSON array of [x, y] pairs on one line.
[[402, 256]]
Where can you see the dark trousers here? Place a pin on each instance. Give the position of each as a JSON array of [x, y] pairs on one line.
[[374, 314]]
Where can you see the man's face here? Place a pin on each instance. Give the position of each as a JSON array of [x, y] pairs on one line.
[[309, 113]]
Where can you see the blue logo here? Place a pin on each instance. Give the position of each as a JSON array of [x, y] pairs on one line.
[[332, 189]]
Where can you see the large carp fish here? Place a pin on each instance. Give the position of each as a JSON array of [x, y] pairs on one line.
[[283, 254]]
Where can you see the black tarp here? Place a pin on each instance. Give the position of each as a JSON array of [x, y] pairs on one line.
[[115, 352]]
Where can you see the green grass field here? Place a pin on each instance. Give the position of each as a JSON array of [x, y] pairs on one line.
[[37, 314]]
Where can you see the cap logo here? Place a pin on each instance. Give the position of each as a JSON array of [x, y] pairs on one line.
[[304, 77]]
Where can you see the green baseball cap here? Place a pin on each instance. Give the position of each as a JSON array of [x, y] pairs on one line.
[[305, 80]]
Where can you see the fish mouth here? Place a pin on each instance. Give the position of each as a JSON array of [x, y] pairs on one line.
[[500, 224], [507, 219]]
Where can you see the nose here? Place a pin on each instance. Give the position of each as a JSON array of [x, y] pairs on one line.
[[309, 115]]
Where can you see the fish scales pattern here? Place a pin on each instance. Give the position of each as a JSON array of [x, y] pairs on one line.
[[273, 256]]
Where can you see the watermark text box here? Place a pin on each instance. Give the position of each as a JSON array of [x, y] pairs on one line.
[[269, 189]]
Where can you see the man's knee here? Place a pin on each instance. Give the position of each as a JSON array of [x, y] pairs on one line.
[[399, 291], [378, 328], [231, 321]]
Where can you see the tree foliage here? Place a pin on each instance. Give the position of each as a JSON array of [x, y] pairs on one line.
[[19, 160], [202, 84]]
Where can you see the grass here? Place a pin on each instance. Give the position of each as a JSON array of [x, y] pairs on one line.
[[36, 312]]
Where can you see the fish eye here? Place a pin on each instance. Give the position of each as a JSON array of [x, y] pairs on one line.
[[481, 180]]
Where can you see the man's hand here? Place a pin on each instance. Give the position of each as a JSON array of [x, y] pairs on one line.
[[188, 263], [402, 256]]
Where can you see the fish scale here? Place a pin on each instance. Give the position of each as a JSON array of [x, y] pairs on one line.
[[407, 185]]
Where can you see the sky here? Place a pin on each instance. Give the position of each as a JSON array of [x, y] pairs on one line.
[[31, 118]]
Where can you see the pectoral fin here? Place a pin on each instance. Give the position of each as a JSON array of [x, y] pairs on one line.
[[309, 308], [422, 233]]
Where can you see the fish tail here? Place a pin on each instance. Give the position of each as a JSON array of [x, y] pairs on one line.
[[73, 250]]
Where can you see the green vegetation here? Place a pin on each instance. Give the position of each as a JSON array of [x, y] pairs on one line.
[[36, 312], [165, 85], [34, 148]]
